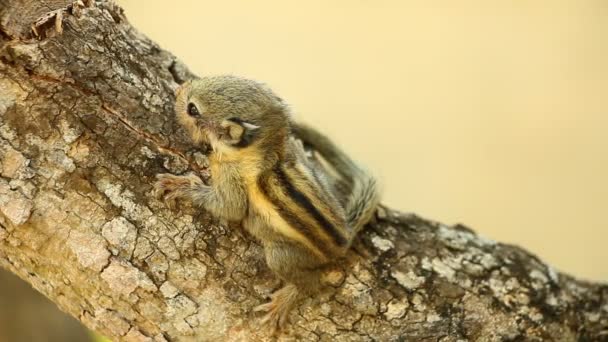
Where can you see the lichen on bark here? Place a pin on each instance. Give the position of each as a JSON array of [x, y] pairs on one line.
[[86, 123]]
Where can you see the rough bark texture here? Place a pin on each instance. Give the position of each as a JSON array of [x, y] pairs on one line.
[[85, 124]]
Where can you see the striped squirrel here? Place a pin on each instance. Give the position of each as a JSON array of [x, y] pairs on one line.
[[262, 177]]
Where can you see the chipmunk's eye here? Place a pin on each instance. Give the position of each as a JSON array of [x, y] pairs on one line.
[[192, 110]]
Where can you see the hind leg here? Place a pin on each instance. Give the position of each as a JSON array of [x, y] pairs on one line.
[[281, 303], [300, 269]]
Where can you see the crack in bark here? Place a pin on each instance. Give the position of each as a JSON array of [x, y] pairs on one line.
[[121, 118]]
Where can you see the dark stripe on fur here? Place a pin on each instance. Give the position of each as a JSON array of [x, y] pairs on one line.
[[305, 203], [292, 219]]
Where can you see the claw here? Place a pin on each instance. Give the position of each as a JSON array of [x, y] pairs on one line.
[[167, 188], [171, 188], [278, 309], [264, 307], [158, 192], [170, 203], [270, 319], [170, 200]]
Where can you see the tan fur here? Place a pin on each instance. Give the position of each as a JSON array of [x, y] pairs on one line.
[[261, 176]]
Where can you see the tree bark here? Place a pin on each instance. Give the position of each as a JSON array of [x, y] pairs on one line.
[[86, 122]]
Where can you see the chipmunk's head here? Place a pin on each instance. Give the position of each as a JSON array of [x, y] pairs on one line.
[[231, 113]]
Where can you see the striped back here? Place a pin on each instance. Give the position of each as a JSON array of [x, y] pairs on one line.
[[307, 211]]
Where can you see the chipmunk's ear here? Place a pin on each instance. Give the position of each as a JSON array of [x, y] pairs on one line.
[[240, 133]]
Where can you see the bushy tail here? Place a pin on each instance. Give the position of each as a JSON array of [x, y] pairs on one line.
[[357, 188]]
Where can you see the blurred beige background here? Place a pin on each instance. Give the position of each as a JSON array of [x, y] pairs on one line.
[[489, 113]]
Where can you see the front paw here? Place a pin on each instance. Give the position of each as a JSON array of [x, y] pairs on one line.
[[170, 188]]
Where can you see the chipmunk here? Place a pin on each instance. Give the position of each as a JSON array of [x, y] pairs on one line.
[[262, 177]]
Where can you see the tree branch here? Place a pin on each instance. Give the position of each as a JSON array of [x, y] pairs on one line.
[[86, 122]]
